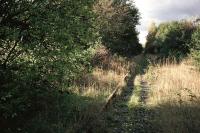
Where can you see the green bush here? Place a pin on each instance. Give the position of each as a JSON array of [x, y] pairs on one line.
[[195, 43], [171, 39]]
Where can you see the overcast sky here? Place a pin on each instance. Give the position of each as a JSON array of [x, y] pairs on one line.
[[164, 10]]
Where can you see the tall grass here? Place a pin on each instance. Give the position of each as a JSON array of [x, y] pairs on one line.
[[175, 96], [109, 73]]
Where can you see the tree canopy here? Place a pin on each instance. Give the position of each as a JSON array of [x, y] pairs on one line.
[[118, 20]]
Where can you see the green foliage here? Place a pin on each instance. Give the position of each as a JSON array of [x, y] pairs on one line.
[[171, 38], [195, 43], [151, 38], [44, 45], [118, 20], [50, 35], [62, 115]]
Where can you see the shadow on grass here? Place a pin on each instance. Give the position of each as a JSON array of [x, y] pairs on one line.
[[166, 118], [66, 113]]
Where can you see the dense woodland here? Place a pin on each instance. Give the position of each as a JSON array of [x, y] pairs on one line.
[[49, 48]]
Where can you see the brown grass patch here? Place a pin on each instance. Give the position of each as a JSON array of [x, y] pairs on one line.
[[175, 95]]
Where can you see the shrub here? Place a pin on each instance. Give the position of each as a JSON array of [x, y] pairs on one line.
[[118, 20], [195, 43], [171, 38]]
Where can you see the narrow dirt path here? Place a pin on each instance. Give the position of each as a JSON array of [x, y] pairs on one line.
[[120, 117], [144, 90]]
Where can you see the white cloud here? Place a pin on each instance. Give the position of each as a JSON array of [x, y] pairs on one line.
[[164, 10]]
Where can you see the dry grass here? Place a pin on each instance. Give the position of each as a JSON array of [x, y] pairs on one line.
[[99, 83], [109, 73], [174, 83], [175, 95]]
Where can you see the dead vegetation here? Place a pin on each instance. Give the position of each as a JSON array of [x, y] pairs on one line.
[[175, 96]]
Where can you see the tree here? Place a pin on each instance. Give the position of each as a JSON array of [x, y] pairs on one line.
[[172, 38], [151, 38], [118, 20], [44, 44]]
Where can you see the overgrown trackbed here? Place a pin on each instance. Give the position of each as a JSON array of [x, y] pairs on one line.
[[119, 115]]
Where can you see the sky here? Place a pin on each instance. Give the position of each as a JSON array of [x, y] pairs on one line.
[[164, 10]]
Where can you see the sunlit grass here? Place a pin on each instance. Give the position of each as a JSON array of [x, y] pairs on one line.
[[174, 83], [134, 100], [175, 96]]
